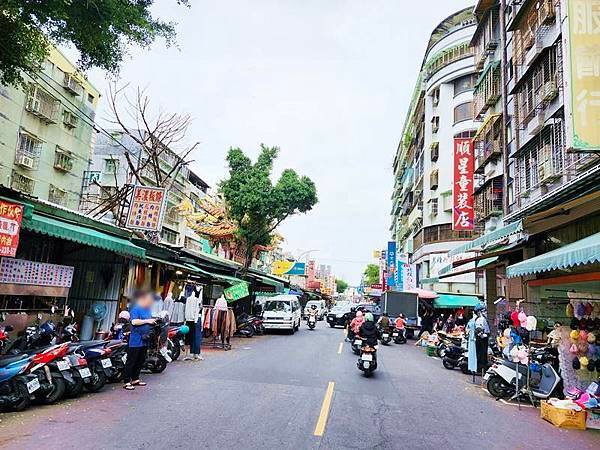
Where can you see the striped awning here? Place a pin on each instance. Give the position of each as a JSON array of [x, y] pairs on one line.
[[584, 251], [500, 233]]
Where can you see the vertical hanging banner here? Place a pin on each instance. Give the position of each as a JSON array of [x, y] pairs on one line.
[[391, 264], [11, 215], [583, 43], [463, 214], [146, 208]]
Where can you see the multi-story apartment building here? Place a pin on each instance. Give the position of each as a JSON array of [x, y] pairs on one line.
[[545, 99], [110, 170], [441, 111], [47, 132]]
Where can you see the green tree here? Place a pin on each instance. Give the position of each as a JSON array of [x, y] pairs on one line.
[[255, 204], [99, 29], [340, 286], [371, 274]]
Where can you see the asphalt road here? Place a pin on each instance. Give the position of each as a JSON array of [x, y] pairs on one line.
[[268, 393]]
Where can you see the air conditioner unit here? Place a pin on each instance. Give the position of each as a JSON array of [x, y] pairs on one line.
[[547, 172], [549, 91], [25, 161]]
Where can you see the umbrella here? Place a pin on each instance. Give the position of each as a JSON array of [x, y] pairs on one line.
[[423, 293]]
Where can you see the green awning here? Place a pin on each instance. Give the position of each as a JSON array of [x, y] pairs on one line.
[[500, 233], [584, 251], [269, 282], [429, 280], [484, 262], [82, 235], [177, 265], [217, 276], [455, 301]]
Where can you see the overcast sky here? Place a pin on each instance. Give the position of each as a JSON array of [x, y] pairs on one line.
[[328, 81]]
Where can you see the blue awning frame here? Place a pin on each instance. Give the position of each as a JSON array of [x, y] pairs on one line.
[[500, 233], [581, 252]]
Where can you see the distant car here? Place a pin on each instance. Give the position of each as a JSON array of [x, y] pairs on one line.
[[321, 308], [338, 314]]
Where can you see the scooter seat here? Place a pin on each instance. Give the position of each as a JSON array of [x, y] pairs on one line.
[[512, 365], [90, 344], [6, 360]]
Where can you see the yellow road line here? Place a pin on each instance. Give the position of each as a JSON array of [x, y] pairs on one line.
[[340, 348], [320, 428]]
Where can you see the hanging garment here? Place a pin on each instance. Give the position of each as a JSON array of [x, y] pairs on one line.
[[221, 304], [471, 346], [158, 305], [168, 305], [178, 315], [192, 308]]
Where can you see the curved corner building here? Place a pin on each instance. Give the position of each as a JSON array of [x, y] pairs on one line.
[[441, 109]]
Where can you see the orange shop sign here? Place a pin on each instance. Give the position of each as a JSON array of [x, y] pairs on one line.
[[11, 215]]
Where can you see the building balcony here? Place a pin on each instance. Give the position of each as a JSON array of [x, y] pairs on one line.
[[63, 160], [72, 85], [28, 152], [22, 183], [487, 90], [488, 200], [41, 104]]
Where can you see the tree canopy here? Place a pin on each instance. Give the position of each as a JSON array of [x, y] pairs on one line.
[[100, 30], [340, 286], [371, 274], [258, 206]]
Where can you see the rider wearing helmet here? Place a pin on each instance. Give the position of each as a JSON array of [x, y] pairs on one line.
[[368, 331], [312, 311]]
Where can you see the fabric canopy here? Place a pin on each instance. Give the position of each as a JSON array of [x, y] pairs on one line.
[[171, 263], [217, 276], [455, 301], [423, 293], [269, 282], [82, 235], [584, 251], [500, 233]]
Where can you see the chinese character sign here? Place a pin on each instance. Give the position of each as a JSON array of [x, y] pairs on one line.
[[463, 215], [584, 47], [20, 271], [11, 215], [391, 264], [146, 208]]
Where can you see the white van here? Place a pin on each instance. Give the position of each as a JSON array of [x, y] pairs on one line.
[[282, 312]]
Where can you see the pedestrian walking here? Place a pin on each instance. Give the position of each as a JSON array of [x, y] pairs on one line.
[[141, 321]]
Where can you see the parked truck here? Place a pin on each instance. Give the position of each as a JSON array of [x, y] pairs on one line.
[[407, 303]]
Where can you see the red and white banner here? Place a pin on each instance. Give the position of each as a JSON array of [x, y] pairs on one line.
[[463, 214], [11, 215]]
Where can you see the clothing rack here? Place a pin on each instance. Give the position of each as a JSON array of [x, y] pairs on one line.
[[212, 341]]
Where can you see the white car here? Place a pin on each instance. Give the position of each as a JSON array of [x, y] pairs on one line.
[[321, 308], [282, 312]]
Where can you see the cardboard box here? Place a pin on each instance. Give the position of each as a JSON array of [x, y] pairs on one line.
[[593, 419], [563, 418]]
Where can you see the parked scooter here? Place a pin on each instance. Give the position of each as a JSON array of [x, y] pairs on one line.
[[501, 377], [17, 386], [244, 326], [399, 335], [157, 356], [48, 366], [445, 341], [176, 340], [257, 323], [367, 361], [456, 356]]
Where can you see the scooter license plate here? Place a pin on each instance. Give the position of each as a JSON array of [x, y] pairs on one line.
[[358, 342], [486, 376], [385, 335], [62, 365], [395, 335], [181, 342], [165, 353], [106, 363], [124, 358], [366, 364], [367, 357], [33, 385], [85, 372]]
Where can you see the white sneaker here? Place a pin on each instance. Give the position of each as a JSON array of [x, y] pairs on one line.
[[187, 358], [198, 357]]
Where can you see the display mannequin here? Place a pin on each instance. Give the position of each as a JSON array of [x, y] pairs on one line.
[[193, 317], [471, 344]]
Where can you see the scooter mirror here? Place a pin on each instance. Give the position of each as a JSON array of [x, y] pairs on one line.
[[53, 309]]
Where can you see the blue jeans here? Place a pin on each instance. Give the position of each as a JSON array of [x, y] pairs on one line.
[[197, 338]]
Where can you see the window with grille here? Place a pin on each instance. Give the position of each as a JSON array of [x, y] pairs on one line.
[[42, 104], [488, 200], [464, 84], [169, 236], [433, 207], [435, 124], [28, 151], [63, 160], [111, 166], [20, 182], [433, 179], [463, 112], [57, 196]]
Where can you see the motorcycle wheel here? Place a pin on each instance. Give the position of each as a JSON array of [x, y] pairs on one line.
[[498, 388], [118, 376], [160, 366], [57, 392], [74, 389], [250, 332], [448, 363], [175, 352], [24, 399], [332, 325], [98, 381]]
